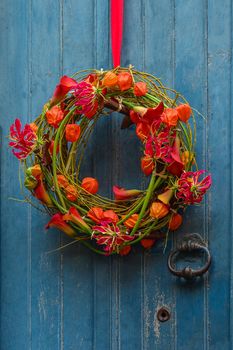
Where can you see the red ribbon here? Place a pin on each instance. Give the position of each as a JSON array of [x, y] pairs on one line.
[[117, 14]]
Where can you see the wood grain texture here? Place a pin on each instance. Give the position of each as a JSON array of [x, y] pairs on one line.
[[72, 299], [44, 67], [220, 128], [15, 232], [190, 78]]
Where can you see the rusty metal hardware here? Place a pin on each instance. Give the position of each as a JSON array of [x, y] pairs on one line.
[[163, 314], [190, 243]]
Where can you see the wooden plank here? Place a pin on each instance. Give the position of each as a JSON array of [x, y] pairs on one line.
[[44, 70], [158, 289], [127, 173], [231, 226], [220, 205], [15, 232], [190, 80], [78, 262], [102, 170]]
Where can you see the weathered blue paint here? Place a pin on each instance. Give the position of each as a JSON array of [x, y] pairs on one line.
[[73, 299]]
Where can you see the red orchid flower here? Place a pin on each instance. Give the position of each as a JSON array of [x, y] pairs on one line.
[[65, 85], [86, 99], [74, 216], [110, 236], [58, 222], [22, 140], [190, 188], [176, 166], [92, 79], [123, 194], [159, 147]]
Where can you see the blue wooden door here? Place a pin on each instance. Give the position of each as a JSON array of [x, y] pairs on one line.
[[72, 299]]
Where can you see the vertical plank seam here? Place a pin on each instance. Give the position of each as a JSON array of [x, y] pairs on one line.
[[231, 183], [117, 264], [143, 9], [111, 323], [206, 160], [94, 297], [29, 241], [230, 201], [173, 58], [61, 281], [111, 178]]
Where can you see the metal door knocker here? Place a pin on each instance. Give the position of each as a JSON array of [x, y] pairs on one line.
[[190, 244]]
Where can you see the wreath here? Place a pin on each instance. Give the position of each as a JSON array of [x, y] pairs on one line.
[[52, 148]]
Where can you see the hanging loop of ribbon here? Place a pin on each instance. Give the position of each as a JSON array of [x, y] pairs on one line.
[[117, 19]]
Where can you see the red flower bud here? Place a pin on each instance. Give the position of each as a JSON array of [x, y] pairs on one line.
[[140, 89], [71, 193], [90, 184], [131, 221], [184, 112], [62, 181], [125, 250], [147, 242], [124, 81], [158, 210], [170, 117], [175, 222], [110, 79], [54, 116], [72, 132]]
